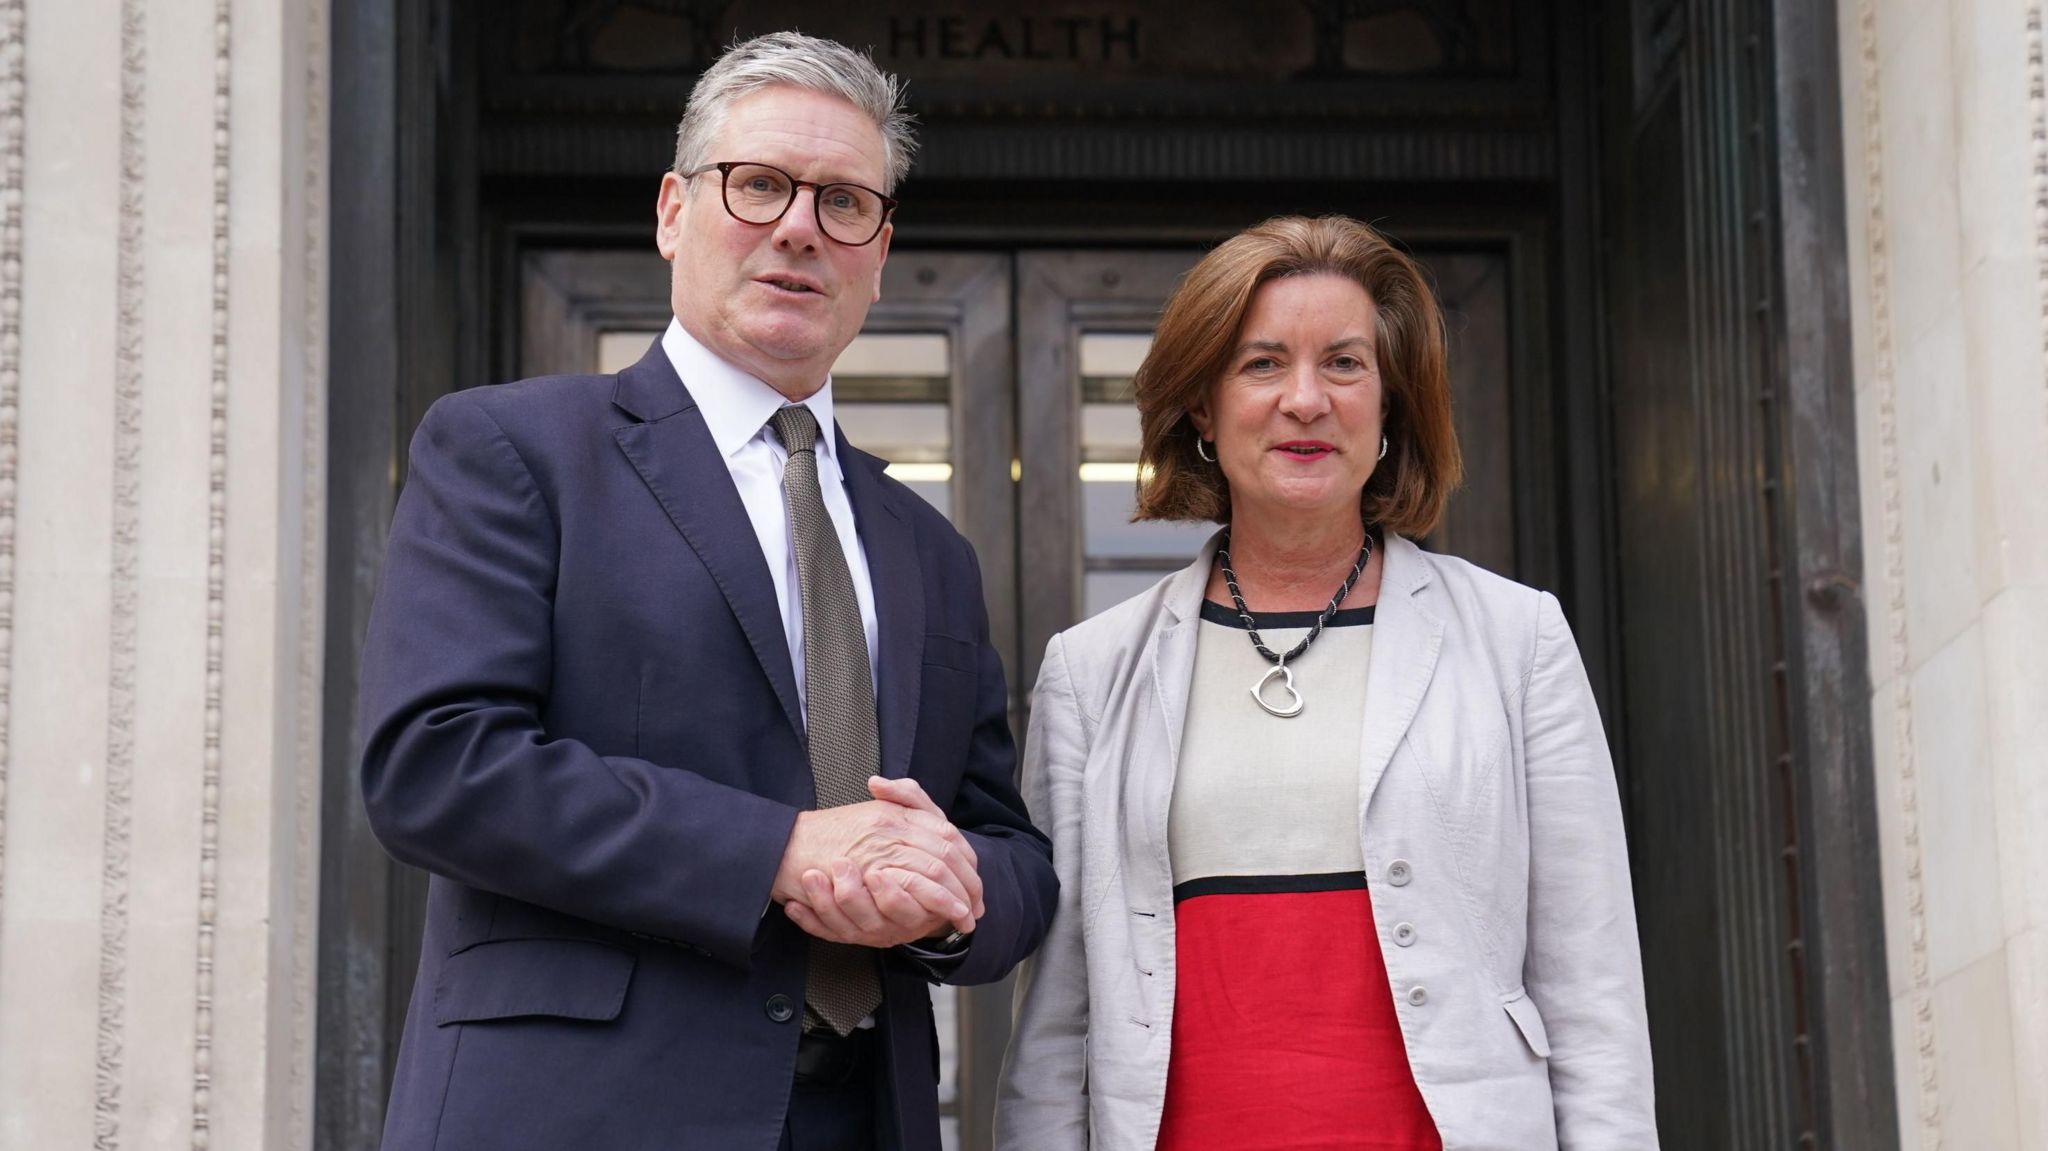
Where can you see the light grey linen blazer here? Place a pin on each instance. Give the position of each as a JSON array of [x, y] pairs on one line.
[[1490, 825]]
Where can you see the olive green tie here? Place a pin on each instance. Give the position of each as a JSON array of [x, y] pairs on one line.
[[842, 987]]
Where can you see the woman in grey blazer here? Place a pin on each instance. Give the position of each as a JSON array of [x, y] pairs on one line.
[[1337, 868]]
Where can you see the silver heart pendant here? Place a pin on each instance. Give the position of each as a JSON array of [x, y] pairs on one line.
[[1286, 675]]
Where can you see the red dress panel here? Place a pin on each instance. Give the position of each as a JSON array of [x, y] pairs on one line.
[[1284, 1033]]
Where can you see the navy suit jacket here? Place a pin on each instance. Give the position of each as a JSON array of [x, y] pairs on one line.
[[579, 715]]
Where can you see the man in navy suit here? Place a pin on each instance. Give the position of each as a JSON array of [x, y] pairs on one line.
[[690, 711]]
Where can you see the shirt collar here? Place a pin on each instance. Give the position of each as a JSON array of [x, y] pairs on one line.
[[736, 405]]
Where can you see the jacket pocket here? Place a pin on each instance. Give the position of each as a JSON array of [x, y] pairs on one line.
[[511, 978], [1523, 1011]]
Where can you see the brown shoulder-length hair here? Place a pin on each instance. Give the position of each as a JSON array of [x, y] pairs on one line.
[[1198, 333]]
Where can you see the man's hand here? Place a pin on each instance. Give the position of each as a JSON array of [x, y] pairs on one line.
[[882, 873]]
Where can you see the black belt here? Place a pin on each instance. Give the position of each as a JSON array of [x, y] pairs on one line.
[[828, 1059]]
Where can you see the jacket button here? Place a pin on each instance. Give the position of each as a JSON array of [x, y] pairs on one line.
[[1399, 873], [1404, 934], [780, 1009], [1418, 995]]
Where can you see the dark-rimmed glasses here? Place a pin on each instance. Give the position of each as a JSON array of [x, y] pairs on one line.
[[762, 193]]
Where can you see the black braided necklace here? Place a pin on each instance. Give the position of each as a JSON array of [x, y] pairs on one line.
[[1280, 662]]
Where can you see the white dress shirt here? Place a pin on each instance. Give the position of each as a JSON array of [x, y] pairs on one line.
[[736, 408]]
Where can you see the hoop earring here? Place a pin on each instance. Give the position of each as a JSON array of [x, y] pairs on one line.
[[1207, 458], [1383, 445]]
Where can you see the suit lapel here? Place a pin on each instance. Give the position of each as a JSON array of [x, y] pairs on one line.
[[677, 459], [897, 576], [1150, 778], [1173, 674], [1406, 640], [1173, 654]]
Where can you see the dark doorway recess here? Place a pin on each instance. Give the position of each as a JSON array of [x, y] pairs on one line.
[[1633, 207]]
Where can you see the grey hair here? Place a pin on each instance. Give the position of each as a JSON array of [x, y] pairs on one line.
[[798, 61]]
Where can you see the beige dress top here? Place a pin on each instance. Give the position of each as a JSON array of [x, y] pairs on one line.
[[1257, 794]]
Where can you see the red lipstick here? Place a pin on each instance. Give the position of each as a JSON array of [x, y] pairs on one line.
[[1305, 449]]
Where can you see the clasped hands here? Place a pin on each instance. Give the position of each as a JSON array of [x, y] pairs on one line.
[[889, 871]]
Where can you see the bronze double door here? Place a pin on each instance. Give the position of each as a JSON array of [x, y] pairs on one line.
[[998, 386]]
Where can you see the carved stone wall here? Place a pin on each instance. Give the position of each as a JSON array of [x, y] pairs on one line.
[[162, 421], [1947, 164]]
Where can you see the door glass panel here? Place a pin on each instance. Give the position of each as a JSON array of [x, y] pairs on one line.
[[1101, 590], [890, 393], [1119, 558], [1109, 429], [881, 355], [1113, 357], [619, 350], [1109, 494], [1109, 413]]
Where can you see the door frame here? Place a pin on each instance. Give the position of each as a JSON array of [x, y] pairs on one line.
[[432, 244], [1061, 293]]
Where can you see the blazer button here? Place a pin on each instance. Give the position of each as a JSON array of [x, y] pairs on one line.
[[1399, 873], [780, 1009], [1418, 995], [1404, 934]]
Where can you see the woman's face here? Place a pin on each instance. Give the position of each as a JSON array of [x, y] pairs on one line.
[[1296, 416]]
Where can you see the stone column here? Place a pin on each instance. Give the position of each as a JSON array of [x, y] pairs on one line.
[[1948, 210], [162, 414]]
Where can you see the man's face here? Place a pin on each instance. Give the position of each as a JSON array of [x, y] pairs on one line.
[[780, 300]]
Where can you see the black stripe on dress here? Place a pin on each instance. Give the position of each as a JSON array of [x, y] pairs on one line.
[[1268, 884]]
